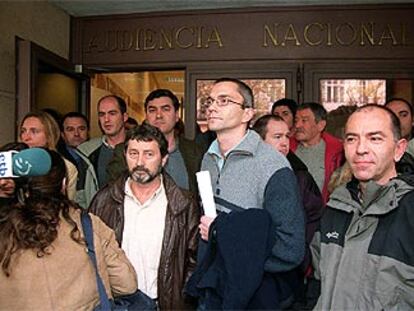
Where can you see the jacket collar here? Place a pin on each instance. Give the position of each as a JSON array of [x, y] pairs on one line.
[[377, 200], [248, 145], [177, 201]]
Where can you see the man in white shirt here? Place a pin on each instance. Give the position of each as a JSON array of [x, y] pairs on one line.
[[154, 220]]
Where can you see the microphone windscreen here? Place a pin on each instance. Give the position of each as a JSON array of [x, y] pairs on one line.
[[31, 162]]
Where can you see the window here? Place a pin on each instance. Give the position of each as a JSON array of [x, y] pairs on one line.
[[351, 92]]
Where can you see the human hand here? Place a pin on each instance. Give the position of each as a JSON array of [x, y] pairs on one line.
[[204, 226]]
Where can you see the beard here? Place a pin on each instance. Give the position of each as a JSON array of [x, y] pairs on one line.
[[143, 175]]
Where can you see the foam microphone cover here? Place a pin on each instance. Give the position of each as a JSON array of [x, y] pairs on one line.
[[31, 162]]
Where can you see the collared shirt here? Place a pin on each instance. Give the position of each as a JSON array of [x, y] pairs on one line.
[[143, 235], [72, 152], [215, 149], [104, 142], [176, 168]]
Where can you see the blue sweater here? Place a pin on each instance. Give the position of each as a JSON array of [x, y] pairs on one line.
[[254, 175]]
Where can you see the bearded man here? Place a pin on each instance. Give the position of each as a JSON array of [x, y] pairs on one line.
[[155, 222]]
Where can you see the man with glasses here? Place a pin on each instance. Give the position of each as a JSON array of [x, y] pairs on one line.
[[248, 174]]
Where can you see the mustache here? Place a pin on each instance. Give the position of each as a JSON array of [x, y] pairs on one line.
[[140, 168]]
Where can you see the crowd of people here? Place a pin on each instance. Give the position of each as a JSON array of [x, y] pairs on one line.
[[305, 220]]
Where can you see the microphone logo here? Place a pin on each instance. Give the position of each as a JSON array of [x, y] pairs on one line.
[[3, 165], [22, 167]]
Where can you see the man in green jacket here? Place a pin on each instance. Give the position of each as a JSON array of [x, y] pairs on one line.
[[363, 253]]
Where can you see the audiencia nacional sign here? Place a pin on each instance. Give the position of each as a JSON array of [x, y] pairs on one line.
[[293, 33]]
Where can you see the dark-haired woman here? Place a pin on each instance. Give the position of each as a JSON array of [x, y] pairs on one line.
[[44, 263]]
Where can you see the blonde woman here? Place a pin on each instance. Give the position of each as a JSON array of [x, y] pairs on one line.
[[39, 129]]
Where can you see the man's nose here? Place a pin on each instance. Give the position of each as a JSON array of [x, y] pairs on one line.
[[212, 106], [361, 146], [140, 160]]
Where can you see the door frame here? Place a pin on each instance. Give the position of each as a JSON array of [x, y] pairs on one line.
[[28, 58]]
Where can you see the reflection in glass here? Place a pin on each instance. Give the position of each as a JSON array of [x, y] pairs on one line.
[[265, 91], [351, 92], [134, 87]]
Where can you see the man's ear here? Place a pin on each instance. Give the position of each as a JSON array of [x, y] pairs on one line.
[[248, 114], [177, 116], [164, 160], [400, 148], [125, 116], [321, 125]]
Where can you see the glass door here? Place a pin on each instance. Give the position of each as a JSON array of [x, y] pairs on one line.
[[341, 88], [134, 87]]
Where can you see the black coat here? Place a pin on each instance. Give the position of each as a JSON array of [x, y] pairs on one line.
[[231, 267]]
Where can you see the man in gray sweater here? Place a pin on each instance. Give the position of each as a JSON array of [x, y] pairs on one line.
[[248, 173]]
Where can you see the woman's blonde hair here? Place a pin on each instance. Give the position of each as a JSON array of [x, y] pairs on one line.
[[52, 131], [341, 176]]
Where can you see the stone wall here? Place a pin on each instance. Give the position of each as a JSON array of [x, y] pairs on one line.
[[36, 21]]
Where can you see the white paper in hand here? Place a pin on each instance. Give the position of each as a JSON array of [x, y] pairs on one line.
[[206, 193]]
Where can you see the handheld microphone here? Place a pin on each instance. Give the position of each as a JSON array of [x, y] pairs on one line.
[[26, 163]]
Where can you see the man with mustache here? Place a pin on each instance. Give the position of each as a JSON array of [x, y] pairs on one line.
[[155, 221], [321, 152], [363, 253]]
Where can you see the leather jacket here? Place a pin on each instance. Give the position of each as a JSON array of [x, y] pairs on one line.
[[179, 246]]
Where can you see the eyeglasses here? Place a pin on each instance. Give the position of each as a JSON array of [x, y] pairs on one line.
[[221, 101]]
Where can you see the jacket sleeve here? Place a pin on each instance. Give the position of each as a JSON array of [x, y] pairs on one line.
[[314, 283], [283, 201], [315, 249], [313, 207], [93, 207], [193, 222], [312, 203], [72, 174], [115, 268]]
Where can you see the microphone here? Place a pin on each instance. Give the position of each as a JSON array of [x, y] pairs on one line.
[[26, 163]]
